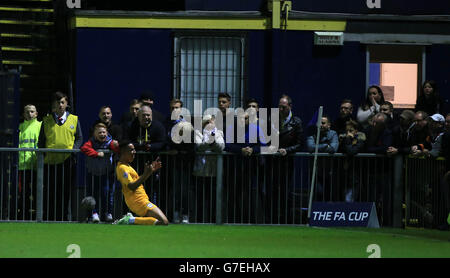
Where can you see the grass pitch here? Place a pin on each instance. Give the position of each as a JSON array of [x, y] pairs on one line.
[[50, 240]]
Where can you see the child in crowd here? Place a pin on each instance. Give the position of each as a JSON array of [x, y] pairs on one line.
[[100, 171], [352, 142]]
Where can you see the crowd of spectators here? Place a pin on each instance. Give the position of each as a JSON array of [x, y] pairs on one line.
[[374, 128]]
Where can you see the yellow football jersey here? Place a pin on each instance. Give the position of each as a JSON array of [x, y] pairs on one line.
[[137, 200]]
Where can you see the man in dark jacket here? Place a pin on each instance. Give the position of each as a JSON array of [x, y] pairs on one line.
[[291, 131], [147, 134], [401, 134], [281, 176], [379, 136]]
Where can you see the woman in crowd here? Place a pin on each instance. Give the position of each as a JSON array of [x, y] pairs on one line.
[[429, 99], [370, 106]]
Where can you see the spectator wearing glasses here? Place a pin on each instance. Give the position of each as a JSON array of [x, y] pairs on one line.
[[419, 134], [370, 106]]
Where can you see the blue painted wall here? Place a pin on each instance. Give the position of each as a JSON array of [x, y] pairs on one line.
[[113, 66], [317, 75]]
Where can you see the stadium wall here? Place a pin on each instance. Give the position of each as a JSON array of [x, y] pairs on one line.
[[120, 54]]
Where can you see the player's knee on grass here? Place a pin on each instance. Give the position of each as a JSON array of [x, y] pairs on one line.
[[159, 215]]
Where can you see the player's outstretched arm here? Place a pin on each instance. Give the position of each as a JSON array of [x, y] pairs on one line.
[[149, 169]]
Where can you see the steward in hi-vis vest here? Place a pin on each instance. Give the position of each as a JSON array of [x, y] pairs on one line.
[[59, 136], [60, 130], [28, 138]]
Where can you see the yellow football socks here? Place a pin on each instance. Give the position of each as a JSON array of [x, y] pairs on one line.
[[145, 220]]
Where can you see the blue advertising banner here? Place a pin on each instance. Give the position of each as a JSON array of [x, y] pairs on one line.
[[342, 214]]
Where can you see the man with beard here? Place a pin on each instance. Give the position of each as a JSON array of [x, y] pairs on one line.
[[345, 114], [328, 142]]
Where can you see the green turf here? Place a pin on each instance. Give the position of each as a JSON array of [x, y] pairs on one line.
[[210, 241]]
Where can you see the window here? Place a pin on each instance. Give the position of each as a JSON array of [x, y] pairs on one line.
[[206, 66], [397, 69]]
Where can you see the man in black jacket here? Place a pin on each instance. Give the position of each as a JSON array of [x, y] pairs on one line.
[[291, 131], [401, 141], [281, 170], [147, 134]]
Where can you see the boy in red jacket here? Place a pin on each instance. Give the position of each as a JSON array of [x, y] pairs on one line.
[[100, 171]]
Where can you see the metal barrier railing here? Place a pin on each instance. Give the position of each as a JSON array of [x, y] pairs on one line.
[[262, 189], [424, 196]]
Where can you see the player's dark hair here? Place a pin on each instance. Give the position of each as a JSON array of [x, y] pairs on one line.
[[224, 95], [123, 145]]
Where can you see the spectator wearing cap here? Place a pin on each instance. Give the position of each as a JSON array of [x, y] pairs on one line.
[[436, 123]]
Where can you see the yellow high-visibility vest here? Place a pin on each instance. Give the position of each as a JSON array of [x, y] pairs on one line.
[[28, 138], [59, 137]]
